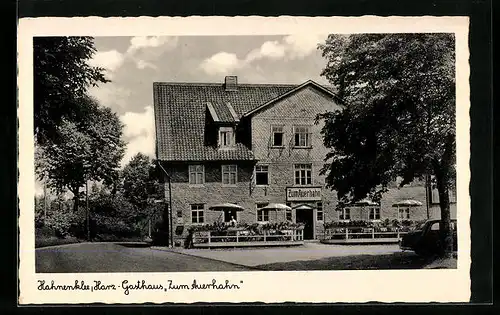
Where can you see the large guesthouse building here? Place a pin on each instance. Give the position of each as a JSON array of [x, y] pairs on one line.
[[255, 144]]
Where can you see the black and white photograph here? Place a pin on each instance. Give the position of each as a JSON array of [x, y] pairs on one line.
[[245, 154]]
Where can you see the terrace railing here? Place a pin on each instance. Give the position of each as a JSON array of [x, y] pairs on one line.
[[236, 238], [348, 233]]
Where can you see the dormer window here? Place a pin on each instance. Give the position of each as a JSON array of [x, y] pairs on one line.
[[226, 137]]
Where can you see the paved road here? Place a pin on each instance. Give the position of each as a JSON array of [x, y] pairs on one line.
[[308, 252], [109, 257]]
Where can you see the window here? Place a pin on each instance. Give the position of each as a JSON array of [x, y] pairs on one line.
[[374, 213], [226, 137], [288, 212], [319, 211], [262, 175], [229, 214], [277, 136], [196, 174], [435, 196], [197, 213], [262, 214], [229, 174], [179, 214], [303, 174], [404, 213], [345, 214], [302, 137]]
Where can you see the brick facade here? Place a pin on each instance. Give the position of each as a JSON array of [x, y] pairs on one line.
[[296, 109]]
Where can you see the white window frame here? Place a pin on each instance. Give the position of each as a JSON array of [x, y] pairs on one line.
[[274, 130], [223, 141], [305, 167], [261, 171], [195, 209], [344, 212], [262, 213], [319, 209], [304, 133], [375, 212], [229, 172], [193, 170]]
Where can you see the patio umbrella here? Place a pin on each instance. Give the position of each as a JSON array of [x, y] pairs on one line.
[[365, 202], [407, 203], [302, 207], [277, 207], [226, 206]]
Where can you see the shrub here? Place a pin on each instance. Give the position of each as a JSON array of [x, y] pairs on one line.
[[60, 221]]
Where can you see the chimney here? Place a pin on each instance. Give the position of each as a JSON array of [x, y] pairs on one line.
[[231, 83]]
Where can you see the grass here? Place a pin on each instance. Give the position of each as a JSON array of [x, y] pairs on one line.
[[45, 241], [51, 240]]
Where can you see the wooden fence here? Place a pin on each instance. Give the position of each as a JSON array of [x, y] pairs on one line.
[[210, 239]]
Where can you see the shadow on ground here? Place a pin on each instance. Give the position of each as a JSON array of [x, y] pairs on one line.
[[403, 260]]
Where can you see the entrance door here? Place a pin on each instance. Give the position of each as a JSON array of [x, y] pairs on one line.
[[305, 217]]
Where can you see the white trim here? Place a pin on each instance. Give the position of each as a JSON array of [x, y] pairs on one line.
[[294, 179], [308, 137], [255, 175], [202, 178], [232, 111], [235, 178], [282, 136], [212, 111], [197, 210]]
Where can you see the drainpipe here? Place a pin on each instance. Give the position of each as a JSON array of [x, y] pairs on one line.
[[170, 223]]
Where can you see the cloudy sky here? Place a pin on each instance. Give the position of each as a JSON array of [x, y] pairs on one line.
[[134, 63]]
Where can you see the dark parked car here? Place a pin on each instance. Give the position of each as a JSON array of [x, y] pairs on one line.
[[425, 240]]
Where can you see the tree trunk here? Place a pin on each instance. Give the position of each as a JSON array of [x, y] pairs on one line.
[[442, 171], [445, 228], [76, 202]]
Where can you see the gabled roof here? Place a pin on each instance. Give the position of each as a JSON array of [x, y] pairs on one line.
[[181, 110], [326, 90], [180, 113]]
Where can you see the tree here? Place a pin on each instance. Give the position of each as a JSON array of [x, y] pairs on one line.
[[62, 76], [140, 183], [89, 150], [398, 116]]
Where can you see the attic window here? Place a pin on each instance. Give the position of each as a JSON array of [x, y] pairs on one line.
[[226, 137]]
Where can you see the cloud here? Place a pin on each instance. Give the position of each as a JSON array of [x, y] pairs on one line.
[[270, 49], [110, 60], [143, 50], [221, 63], [296, 46], [141, 64], [140, 42], [139, 130], [301, 45]]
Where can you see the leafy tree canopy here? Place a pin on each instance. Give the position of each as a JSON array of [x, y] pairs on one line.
[[89, 150], [140, 183], [62, 76], [398, 116]]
